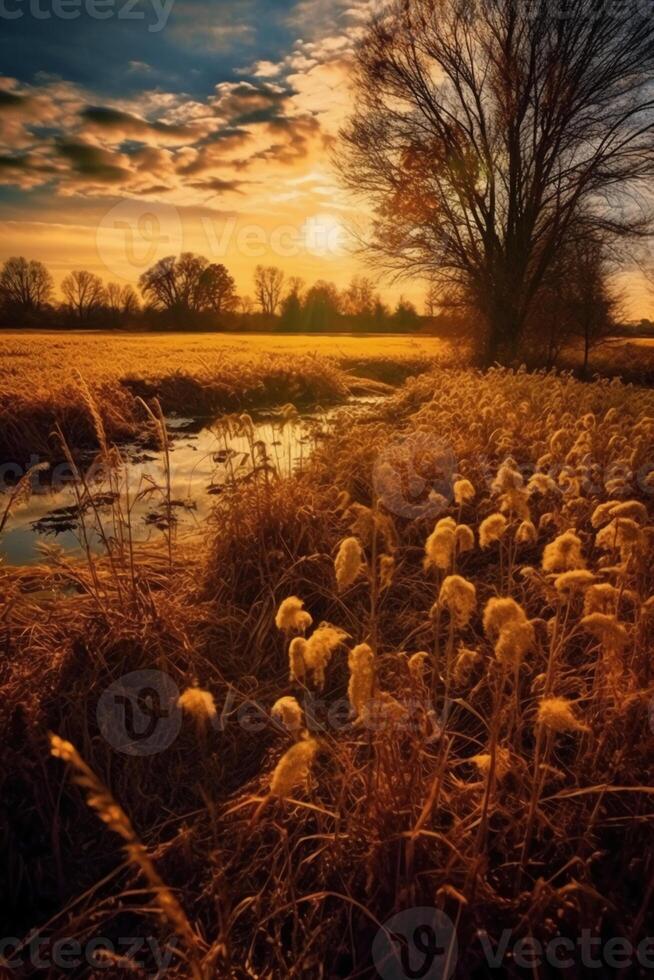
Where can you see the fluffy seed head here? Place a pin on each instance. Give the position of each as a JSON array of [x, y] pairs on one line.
[[466, 661], [607, 629], [348, 563], [465, 538], [291, 617], [417, 663], [506, 624], [563, 554], [459, 597], [362, 677], [439, 547], [198, 703], [632, 509], [492, 529], [293, 768], [526, 533], [386, 569], [601, 598], [463, 491], [502, 762], [296, 659], [556, 714], [289, 713], [577, 580], [319, 648]]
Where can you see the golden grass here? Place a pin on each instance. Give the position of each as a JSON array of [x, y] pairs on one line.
[[192, 374], [506, 777]]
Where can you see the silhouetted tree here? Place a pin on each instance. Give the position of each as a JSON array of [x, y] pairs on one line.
[[121, 302], [405, 316], [291, 315], [25, 287], [593, 304], [268, 285], [482, 130], [84, 293], [218, 290], [359, 298], [175, 286], [321, 306]]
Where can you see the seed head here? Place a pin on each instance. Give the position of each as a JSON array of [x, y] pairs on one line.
[[459, 597], [362, 677], [492, 529], [289, 713], [291, 617], [348, 563], [563, 554], [556, 715], [199, 704], [293, 768], [463, 491]]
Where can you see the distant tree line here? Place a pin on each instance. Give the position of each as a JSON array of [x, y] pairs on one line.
[[187, 292]]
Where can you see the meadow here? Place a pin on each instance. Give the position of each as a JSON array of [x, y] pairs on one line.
[[418, 674], [198, 374]]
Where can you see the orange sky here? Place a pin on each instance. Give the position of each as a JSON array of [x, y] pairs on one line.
[[238, 170]]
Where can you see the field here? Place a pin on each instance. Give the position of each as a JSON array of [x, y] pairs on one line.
[[408, 689], [200, 374]]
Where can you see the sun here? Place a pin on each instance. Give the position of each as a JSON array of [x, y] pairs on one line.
[[324, 235]]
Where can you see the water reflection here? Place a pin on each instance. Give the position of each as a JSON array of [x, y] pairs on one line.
[[205, 459]]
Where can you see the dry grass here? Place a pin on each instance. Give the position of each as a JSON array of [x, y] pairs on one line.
[[492, 800], [190, 374]]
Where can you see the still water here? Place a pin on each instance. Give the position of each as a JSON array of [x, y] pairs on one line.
[[204, 460]]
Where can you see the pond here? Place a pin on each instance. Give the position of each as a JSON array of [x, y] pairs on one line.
[[204, 459]]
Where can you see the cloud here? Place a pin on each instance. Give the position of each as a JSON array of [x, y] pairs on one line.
[[124, 125]]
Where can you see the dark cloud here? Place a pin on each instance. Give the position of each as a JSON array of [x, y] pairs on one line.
[[217, 185], [11, 100], [93, 162], [110, 119]]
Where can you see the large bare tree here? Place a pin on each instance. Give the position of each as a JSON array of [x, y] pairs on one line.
[[25, 286], [84, 293], [483, 130]]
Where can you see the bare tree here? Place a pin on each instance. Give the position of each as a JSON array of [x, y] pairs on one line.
[[175, 285], [84, 293], [218, 289], [121, 302], [25, 286], [483, 130], [268, 285], [593, 305], [359, 297]]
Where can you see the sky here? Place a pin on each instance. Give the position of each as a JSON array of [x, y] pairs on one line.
[[135, 129]]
